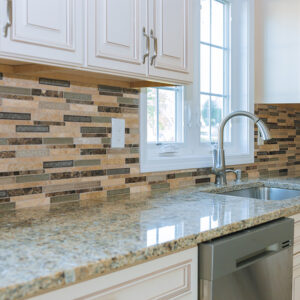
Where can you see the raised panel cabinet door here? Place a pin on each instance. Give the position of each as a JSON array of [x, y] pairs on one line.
[[171, 44], [117, 40], [43, 29], [171, 277], [296, 283]]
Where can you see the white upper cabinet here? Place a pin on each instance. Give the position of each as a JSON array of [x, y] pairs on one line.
[[277, 48], [47, 30], [116, 35], [120, 40], [140, 39], [170, 32]]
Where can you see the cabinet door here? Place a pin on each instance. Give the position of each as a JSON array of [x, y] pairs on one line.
[[116, 42], [296, 278], [171, 23], [170, 277], [48, 30]]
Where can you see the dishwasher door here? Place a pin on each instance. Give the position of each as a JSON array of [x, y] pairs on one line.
[[254, 264]]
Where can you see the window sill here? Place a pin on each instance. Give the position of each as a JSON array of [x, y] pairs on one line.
[[162, 164]]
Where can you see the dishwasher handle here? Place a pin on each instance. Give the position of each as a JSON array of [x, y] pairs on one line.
[[256, 256]]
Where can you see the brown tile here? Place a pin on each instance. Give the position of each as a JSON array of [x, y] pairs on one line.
[[135, 179], [93, 151], [25, 141], [7, 154], [109, 109]]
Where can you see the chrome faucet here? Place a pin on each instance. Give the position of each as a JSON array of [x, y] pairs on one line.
[[219, 166]]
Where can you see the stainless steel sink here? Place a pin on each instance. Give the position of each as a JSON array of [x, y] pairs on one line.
[[264, 193]]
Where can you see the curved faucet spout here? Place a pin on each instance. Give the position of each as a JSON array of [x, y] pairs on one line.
[[264, 131], [219, 167]]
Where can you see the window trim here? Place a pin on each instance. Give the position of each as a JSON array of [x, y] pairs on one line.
[[179, 111], [161, 164]]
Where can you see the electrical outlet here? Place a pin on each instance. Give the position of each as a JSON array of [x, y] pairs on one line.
[[118, 133]]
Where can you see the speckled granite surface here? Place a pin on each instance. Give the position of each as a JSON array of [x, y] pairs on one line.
[[51, 247]]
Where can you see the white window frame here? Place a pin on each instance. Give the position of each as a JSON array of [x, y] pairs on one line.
[[193, 154], [179, 104], [226, 66]]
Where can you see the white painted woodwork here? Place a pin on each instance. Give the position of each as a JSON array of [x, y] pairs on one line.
[[105, 36], [170, 277], [115, 35], [296, 261], [277, 48], [48, 30], [296, 234], [171, 23], [296, 278]]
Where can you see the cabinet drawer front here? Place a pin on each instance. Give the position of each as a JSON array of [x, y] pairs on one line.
[[164, 284], [170, 277]]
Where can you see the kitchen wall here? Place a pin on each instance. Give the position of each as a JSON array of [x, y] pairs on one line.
[[55, 144]]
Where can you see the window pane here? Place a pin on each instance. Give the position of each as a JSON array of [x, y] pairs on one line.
[[151, 116], [204, 118], [216, 113], [205, 68], [217, 23], [217, 70], [167, 112], [205, 21]]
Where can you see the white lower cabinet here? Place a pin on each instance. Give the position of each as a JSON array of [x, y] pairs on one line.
[[296, 262], [170, 277], [296, 278]]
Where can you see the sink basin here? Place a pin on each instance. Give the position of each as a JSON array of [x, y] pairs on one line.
[[264, 193]]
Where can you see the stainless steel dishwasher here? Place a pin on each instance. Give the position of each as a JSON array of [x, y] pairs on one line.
[[254, 264]]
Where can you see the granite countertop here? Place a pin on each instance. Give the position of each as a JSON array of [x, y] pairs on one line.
[[50, 247]]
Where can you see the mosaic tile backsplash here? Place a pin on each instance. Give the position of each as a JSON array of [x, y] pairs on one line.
[[55, 144]]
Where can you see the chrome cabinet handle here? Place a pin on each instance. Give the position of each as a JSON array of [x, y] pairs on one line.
[[9, 15], [155, 47], [147, 45]]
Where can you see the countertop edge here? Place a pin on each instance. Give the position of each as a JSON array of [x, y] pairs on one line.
[[96, 269]]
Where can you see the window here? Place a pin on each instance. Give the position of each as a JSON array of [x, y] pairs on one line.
[[180, 124], [214, 67], [165, 115]]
